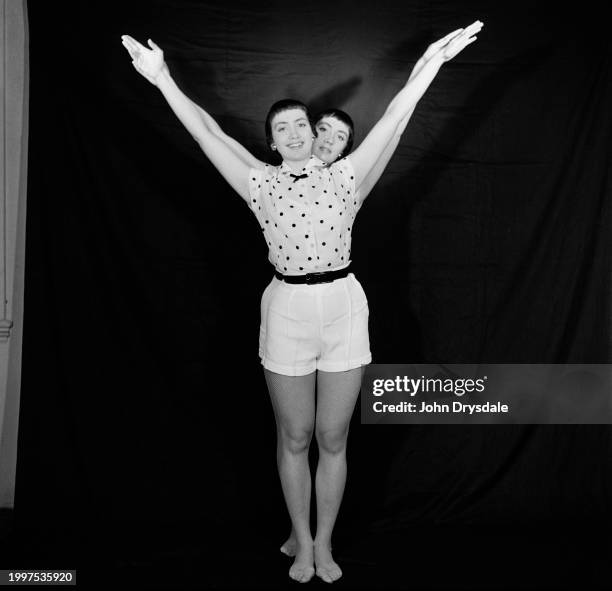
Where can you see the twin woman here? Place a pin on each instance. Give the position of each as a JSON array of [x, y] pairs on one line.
[[313, 338]]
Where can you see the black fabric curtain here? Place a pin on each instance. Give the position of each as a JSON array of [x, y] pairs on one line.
[[144, 406]]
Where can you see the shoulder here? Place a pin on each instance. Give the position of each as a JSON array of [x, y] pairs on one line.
[[343, 166], [260, 178], [256, 178], [266, 171], [343, 173]]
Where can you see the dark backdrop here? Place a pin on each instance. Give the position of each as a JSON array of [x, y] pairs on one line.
[[145, 423]]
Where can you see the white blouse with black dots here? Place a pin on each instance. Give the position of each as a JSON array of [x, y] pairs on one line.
[[306, 222]]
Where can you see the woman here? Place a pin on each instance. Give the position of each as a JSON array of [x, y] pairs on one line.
[[306, 211]]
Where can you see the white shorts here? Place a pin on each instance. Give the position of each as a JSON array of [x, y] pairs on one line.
[[307, 327]]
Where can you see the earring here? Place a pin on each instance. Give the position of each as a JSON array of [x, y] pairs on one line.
[[273, 146]]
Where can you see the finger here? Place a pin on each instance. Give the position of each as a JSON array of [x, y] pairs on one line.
[[452, 34], [135, 45], [474, 27], [455, 34], [153, 45], [126, 44], [470, 40], [131, 43], [132, 53], [126, 39], [467, 33], [463, 45], [447, 38]]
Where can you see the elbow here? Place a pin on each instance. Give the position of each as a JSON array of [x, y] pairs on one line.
[[200, 139]]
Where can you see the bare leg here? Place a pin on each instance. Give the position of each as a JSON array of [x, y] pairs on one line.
[[293, 399], [336, 396]]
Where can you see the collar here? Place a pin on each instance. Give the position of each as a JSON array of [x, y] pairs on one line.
[[313, 164]]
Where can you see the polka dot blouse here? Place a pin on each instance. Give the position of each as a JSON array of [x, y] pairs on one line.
[[307, 221]]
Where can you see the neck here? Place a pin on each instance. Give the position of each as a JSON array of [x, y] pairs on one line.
[[297, 165]]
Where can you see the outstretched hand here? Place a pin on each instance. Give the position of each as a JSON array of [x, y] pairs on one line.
[[437, 45], [147, 62], [457, 41]]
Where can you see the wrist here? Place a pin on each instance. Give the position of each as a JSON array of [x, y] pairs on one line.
[[163, 75], [437, 58]]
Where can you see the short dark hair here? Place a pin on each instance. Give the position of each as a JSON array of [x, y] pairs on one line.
[[279, 107], [340, 116]]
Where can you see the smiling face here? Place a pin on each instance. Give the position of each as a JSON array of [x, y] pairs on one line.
[[332, 137], [292, 134]]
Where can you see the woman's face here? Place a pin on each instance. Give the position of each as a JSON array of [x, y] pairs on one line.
[[292, 134], [331, 139]]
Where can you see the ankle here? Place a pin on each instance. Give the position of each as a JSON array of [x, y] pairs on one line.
[[322, 543], [303, 541]]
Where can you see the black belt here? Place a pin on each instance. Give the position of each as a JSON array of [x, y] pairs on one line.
[[310, 278]]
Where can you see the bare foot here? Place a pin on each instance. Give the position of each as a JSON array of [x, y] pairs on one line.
[[288, 547], [302, 569], [327, 569]]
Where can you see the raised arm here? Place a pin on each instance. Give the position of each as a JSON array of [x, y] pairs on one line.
[[214, 127], [150, 64], [366, 156], [229, 141], [379, 167]]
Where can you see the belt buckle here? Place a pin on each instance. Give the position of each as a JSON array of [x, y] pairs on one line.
[[310, 278]]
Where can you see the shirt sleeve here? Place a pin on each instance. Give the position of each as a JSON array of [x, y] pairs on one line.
[[255, 182], [357, 201]]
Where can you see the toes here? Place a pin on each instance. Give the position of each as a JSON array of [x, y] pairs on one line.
[[329, 573], [322, 573], [301, 574], [308, 574]]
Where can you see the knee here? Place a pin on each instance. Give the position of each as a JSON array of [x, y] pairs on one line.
[[295, 441], [332, 441]]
